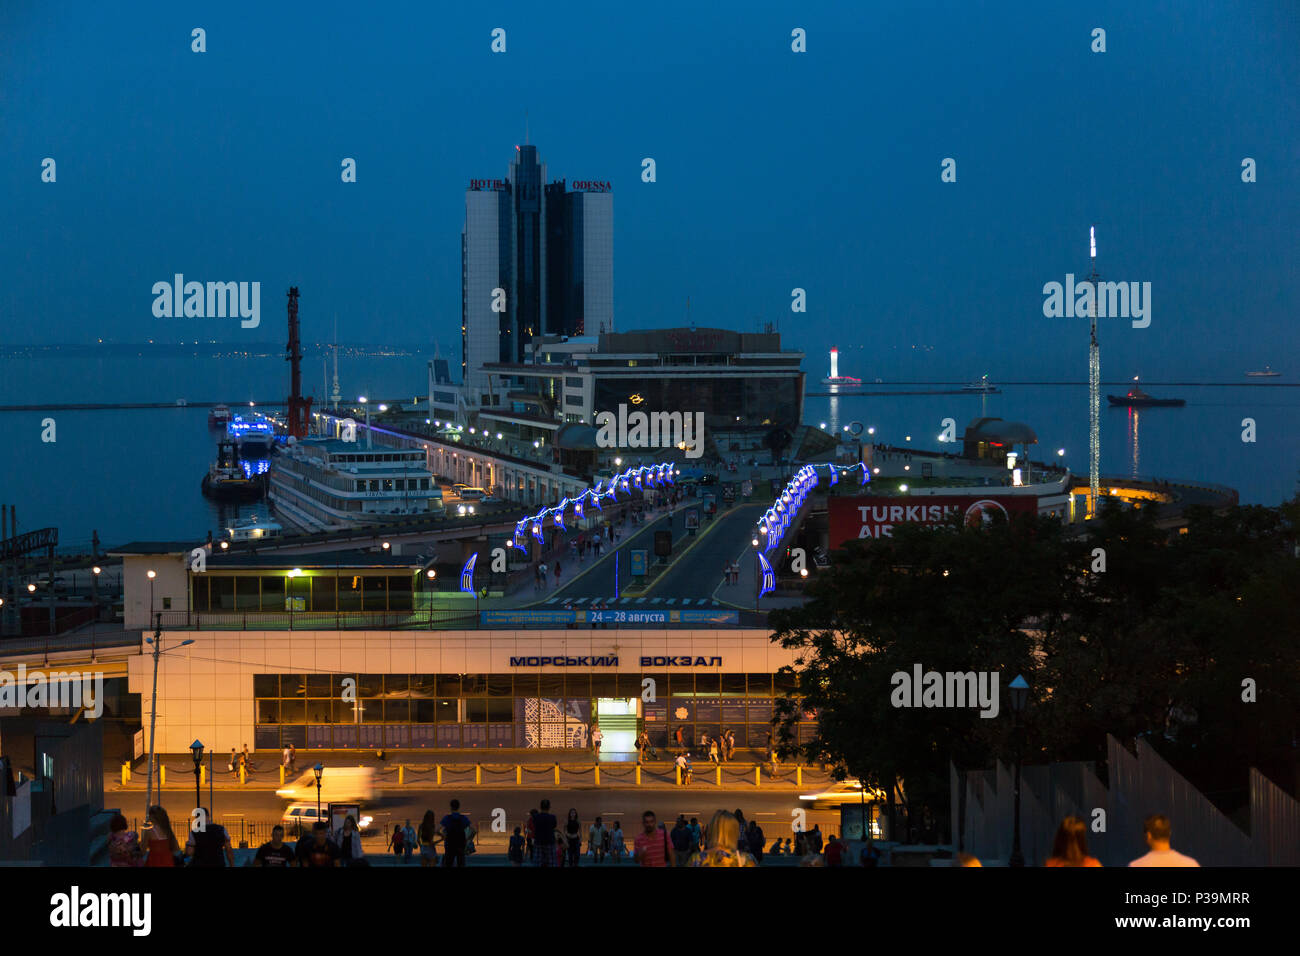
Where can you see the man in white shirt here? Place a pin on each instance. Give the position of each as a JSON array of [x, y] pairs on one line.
[[1157, 831]]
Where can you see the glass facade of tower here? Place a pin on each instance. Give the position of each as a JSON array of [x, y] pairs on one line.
[[551, 250], [485, 266]]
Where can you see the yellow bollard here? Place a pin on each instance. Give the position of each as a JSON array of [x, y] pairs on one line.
[[282, 775], [598, 775], [440, 775], [798, 775], [401, 774], [638, 775], [718, 771], [677, 771], [519, 775], [758, 775], [242, 774], [557, 774], [478, 774], [126, 773], [162, 775]]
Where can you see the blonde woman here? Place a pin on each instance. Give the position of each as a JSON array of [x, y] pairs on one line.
[[722, 843]]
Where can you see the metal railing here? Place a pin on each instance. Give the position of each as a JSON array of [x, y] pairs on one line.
[[456, 619]]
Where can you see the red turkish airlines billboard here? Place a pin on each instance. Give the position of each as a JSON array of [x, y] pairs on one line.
[[876, 517]]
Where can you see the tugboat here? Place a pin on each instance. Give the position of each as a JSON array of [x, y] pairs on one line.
[[1266, 372], [983, 386], [219, 417], [1136, 398], [227, 480]]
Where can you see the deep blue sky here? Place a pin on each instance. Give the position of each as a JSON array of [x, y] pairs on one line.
[[775, 170]]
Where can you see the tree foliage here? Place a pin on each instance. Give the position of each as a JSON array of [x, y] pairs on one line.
[[1158, 645]]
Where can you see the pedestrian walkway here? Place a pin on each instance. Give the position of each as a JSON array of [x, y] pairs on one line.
[[524, 768], [629, 602]]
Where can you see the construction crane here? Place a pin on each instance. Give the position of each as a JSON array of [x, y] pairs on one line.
[[299, 408], [1094, 387]]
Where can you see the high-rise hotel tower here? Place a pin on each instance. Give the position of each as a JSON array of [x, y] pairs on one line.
[[549, 248]]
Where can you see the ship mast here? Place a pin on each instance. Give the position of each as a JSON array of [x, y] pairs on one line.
[[1094, 386]]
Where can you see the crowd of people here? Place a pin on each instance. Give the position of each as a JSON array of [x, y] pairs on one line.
[[727, 840]]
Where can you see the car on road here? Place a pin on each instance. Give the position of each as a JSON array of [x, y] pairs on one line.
[[458, 487], [304, 814], [841, 791], [491, 500], [463, 510], [473, 494]]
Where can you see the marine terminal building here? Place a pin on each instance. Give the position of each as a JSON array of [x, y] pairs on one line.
[[261, 683]]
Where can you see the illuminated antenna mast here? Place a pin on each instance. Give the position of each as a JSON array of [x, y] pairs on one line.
[[335, 395], [1094, 387]]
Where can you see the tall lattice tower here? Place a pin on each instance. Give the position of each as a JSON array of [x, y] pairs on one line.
[[1094, 386]]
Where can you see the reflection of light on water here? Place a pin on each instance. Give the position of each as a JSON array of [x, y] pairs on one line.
[[833, 419], [1133, 438]]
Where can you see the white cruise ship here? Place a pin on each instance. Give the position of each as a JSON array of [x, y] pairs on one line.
[[325, 484]]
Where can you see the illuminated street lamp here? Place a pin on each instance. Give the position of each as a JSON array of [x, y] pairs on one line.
[[196, 751], [156, 641]]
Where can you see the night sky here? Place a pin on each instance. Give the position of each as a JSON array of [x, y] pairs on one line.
[[776, 170]]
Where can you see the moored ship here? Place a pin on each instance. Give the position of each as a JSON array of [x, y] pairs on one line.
[[326, 484]]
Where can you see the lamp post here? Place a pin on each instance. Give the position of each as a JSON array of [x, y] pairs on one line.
[[431, 574], [94, 608], [319, 769], [366, 402], [196, 751], [151, 574], [156, 641], [758, 575], [1019, 698]]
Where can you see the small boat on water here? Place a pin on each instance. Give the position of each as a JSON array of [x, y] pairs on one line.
[[982, 385], [219, 416], [253, 530], [1136, 398], [227, 479], [1266, 372]]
